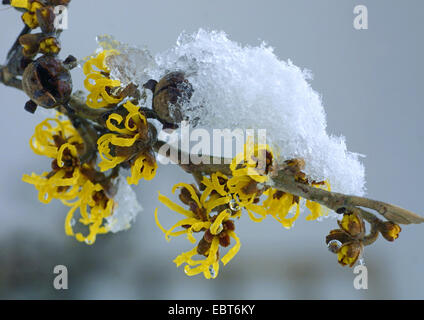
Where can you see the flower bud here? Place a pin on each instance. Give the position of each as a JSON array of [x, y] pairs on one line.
[[352, 224], [168, 95], [45, 17], [30, 43], [349, 253], [389, 230], [203, 247], [47, 82], [224, 239]]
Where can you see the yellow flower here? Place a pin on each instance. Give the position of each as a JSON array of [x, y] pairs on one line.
[[209, 266], [62, 143], [53, 132], [115, 148], [254, 162], [94, 206], [216, 191], [349, 253], [69, 180], [250, 168], [98, 83], [218, 229], [278, 205]]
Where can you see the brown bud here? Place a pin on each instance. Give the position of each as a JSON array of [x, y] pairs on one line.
[[203, 247], [224, 239], [45, 18], [208, 236], [264, 161], [185, 196], [47, 82], [55, 166], [30, 106], [278, 194], [353, 224], [229, 225], [338, 235], [389, 230], [251, 187], [30, 43], [294, 167], [169, 93]]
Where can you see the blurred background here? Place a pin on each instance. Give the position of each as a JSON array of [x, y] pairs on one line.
[[371, 83]]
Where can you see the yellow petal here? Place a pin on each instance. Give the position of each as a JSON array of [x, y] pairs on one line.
[[175, 207], [234, 250], [222, 216]]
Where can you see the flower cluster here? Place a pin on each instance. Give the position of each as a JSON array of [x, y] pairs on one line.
[[221, 200], [124, 141], [69, 180], [130, 137], [129, 142], [217, 228], [347, 241], [94, 206]]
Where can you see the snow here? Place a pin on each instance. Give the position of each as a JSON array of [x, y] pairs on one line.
[[248, 87], [126, 208]]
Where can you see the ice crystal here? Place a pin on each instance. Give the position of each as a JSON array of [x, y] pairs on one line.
[[126, 207]]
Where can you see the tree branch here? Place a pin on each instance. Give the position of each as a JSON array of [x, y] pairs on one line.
[[283, 180]]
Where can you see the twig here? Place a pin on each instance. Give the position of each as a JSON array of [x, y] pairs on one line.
[[284, 181]]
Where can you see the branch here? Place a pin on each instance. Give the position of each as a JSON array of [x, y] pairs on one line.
[[284, 180], [8, 78], [338, 201]]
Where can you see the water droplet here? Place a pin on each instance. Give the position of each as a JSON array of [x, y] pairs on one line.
[[334, 245], [72, 222], [212, 271], [234, 205], [220, 228]]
